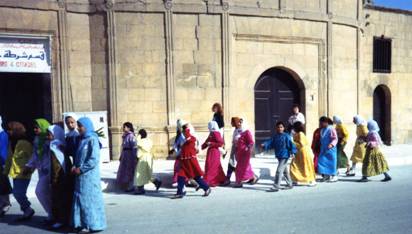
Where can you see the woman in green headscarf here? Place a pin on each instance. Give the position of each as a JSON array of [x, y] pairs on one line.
[[42, 164]]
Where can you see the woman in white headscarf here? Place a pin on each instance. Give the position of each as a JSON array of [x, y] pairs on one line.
[[374, 163], [359, 148], [214, 174], [60, 165]]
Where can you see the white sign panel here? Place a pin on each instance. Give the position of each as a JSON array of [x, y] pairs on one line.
[[99, 119], [24, 55]]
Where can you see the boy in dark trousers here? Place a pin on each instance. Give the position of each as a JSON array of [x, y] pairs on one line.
[[284, 148]]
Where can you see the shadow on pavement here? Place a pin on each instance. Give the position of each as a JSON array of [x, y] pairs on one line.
[[34, 222]]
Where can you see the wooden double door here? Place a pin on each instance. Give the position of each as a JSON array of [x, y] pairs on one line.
[[382, 112], [276, 91]]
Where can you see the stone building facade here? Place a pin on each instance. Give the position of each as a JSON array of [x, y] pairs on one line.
[[152, 61]]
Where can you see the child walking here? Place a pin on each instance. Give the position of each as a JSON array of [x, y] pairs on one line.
[[42, 163], [244, 149], [359, 149], [231, 167], [20, 152], [374, 163], [144, 172], [189, 166], [128, 159], [284, 148], [301, 168], [214, 174], [177, 148], [327, 161], [343, 136]]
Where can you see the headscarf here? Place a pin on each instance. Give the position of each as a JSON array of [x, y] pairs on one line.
[[74, 132], [57, 143], [88, 125], [373, 126], [337, 119], [213, 126], [1, 123], [359, 120], [39, 141]]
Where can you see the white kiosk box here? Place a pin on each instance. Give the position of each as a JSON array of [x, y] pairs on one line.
[[99, 119]]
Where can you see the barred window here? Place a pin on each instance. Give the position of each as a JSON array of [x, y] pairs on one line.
[[382, 54]]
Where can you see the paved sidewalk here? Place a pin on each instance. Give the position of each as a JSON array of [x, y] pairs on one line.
[[263, 165]]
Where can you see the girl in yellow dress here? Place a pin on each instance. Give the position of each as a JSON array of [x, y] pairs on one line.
[[302, 169], [359, 149]]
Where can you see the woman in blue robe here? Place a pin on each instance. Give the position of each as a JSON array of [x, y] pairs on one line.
[[327, 161], [88, 205]]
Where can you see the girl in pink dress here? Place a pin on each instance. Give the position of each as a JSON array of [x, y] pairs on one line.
[[214, 174], [244, 147]]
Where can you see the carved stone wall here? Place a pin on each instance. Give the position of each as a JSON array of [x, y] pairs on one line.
[[153, 61]]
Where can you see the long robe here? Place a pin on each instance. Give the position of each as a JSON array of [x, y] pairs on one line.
[[88, 205], [214, 174], [343, 135], [128, 162], [61, 189], [327, 157], [244, 149], [359, 149], [301, 168], [189, 166], [374, 162], [144, 172], [316, 147]]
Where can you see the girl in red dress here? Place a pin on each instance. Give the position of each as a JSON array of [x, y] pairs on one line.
[[189, 166], [214, 174]]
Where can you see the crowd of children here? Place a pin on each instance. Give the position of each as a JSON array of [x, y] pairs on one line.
[[69, 189], [68, 186]]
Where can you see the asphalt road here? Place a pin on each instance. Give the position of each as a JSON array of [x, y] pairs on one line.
[[343, 207]]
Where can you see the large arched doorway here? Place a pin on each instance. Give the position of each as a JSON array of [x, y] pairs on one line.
[[276, 90], [382, 111]]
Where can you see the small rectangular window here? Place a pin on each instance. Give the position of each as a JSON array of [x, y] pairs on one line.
[[382, 54]]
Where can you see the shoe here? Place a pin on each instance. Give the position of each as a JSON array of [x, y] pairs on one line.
[[272, 190], [179, 196], [139, 192], [255, 180], [364, 179], [226, 183], [387, 178], [57, 226], [158, 184], [129, 190], [312, 184], [238, 185], [333, 179], [350, 173], [288, 187], [28, 214], [207, 192], [4, 210]]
